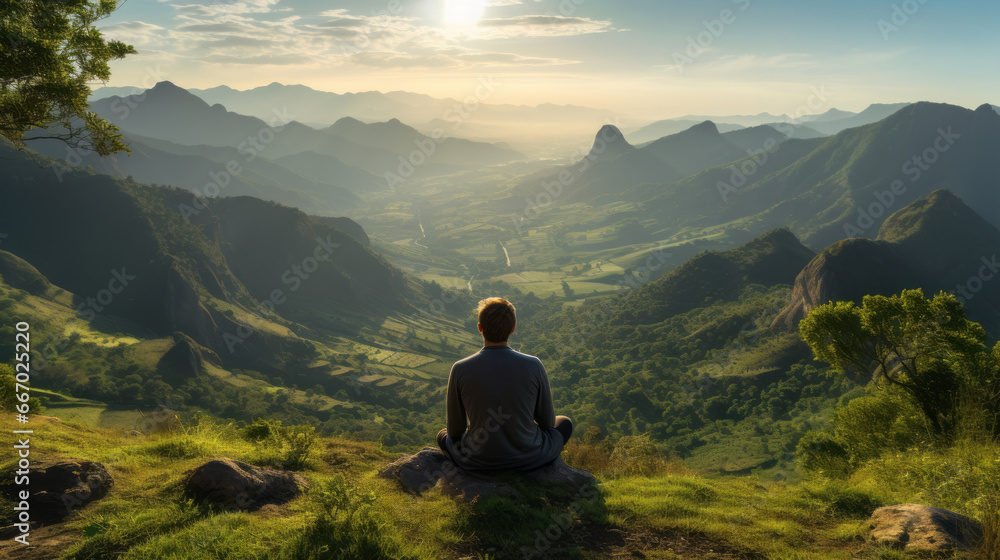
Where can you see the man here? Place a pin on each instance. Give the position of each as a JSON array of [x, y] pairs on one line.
[[500, 412]]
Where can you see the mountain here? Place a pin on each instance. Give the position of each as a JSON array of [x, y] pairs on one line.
[[283, 170], [203, 169], [455, 116], [171, 113], [773, 258], [659, 129], [167, 112], [937, 243], [314, 106], [712, 198], [758, 137], [604, 174], [609, 144], [402, 139], [165, 261], [830, 115], [873, 113], [742, 120], [321, 167], [849, 183], [797, 130]]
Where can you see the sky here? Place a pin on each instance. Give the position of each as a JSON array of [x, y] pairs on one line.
[[646, 58]]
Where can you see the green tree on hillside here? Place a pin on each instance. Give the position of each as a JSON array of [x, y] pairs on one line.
[[49, 52], [925, 347]]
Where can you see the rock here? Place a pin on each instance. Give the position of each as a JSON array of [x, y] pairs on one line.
[[430, 468], [918, 528], [238, 485], [59, 488]]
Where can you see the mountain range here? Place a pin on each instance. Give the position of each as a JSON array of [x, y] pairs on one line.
[[236, 275], [167, 112], [748, 181]]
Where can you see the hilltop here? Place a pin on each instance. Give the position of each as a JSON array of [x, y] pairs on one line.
[[643, 507]]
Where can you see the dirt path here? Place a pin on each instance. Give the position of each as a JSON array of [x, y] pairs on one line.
[[43, 543]]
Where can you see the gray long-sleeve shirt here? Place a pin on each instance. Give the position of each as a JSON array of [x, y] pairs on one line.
[[500, 412]]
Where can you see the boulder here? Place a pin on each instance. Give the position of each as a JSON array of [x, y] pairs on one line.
[[430, 468], [917, 528], [235, 485], [59, 488]]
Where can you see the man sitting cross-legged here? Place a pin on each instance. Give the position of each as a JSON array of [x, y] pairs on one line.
[[499, 404]]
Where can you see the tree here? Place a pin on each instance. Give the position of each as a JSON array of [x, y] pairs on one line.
[[924, 346], [49, 52]]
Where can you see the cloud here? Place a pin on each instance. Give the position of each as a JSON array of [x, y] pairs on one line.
[[398, 60], [541, 26], [250, 32], [136, 33], [458, 60], [263, 59]]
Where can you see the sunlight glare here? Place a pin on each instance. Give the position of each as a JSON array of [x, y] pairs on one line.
[[463, 12]]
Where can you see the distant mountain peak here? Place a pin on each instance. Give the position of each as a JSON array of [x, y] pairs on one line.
[[705, 127], [167, 86], [609, 143], [347, 121], [174, 94], [986, 109], [925, 220]]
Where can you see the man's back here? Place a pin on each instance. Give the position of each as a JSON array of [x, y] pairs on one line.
[[504, 393]]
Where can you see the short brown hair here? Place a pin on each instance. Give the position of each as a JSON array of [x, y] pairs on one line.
[[498, 317]]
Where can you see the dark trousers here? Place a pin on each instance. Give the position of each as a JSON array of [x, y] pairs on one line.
[[563, 424]]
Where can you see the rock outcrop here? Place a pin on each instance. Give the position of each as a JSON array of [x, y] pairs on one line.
[[917, 528], [57, 489], [430, 468], [236, 485], [937, 243]]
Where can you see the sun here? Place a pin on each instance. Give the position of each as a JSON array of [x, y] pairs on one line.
[[463, 12]]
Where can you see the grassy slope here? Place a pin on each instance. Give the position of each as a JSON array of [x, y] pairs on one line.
[[663, 514]]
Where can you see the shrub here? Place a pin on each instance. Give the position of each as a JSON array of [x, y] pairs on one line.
[[294, 442]]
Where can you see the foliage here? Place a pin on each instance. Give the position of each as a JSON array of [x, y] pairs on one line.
[[887, 419], [924, 346], [8, 392], [295, 442], [336, 496], [49, 52]]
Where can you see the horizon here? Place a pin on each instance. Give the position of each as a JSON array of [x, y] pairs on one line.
[[658, 60], [675, 117]]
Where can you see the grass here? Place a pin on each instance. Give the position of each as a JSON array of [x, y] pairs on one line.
[[349, 512]]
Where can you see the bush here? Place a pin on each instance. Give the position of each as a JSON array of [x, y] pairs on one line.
[[294, 442], [345, 528], [885, 420]]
